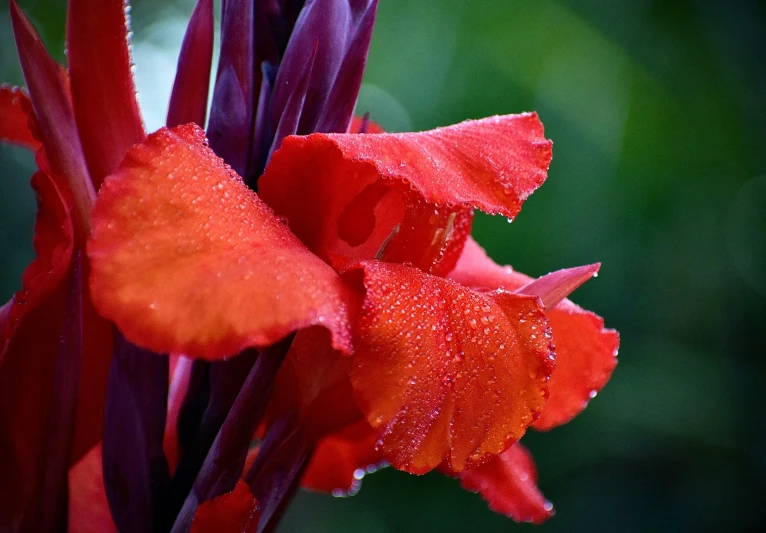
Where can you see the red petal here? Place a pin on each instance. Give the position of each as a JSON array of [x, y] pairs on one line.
[[234, 512], [18, 123], [103, 92], [88, 508], [29, 343], [585, 350], [492, 164], [556, 286], [585, 358], [446, 371], [188, 102], [508, 483], [187, 259], [314, 380], [342, 459], [364, 125]]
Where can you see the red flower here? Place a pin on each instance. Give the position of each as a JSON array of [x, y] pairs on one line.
[[404, 343], [187, 259]]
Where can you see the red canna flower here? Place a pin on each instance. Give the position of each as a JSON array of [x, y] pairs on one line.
[[187, 259], [317, 291]]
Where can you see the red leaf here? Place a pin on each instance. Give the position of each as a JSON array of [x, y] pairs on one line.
[[508, 483], [405, 188], [18, 124], [188, 102], [585, 350], [103, 92], [29, 343], [186, 259], [55, 119], [445, 371], [342, 459], [234, 512]]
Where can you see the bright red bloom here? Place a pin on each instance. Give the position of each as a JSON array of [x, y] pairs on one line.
[[442, 372]]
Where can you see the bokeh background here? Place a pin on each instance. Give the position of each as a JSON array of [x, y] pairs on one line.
[[657, 111]]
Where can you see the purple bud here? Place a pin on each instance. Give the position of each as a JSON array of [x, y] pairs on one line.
[[319, 78], [231, 114]]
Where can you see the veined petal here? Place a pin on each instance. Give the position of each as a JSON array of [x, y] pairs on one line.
[[585, 350], [103, 92], [378, 185], [342, 459], [18, 124], [508, 483], [444, 371], [186, 259], [234, 512]]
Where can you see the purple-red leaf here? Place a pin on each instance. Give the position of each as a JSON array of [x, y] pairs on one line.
[[188, 101], [135, 469], [231, 113], [55, 117]]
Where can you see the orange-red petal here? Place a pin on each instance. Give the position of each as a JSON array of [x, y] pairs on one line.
[[508, 483], [585, 350], [186, 259], [342, 459], [101, 80], [444, 371], [18, 123], [88, 507], [328, 184], [315, 381], [234, 512]]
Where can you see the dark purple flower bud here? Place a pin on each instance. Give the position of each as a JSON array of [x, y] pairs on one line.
[[319, 78], [231, 114]]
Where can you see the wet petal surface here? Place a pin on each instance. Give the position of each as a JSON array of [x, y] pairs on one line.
[[186, 259], [585, 349], [444, 371]]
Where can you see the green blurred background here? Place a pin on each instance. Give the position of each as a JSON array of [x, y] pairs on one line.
[[658, 117]]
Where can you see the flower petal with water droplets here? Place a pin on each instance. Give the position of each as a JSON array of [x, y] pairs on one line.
[[444, 371], [585, 350], [186, 259], [492, 164]]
